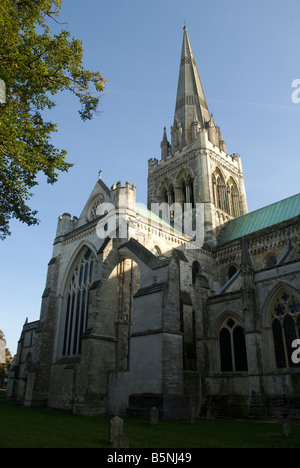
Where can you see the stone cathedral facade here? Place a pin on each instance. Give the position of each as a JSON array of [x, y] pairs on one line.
[[136, 313]]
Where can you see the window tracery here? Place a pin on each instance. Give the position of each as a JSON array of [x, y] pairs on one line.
[[233, 199], [233, 354], [285, 327], [226, 196], [93, 208], [78, 304], [219, 191], [185, 183]]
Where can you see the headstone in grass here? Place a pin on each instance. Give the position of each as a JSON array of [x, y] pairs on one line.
[[193, 413], [116, 428], [154, 415], [286, 430], [120, 441]]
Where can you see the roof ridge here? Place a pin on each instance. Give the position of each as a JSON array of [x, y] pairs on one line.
[[268, 206], [261, 218]]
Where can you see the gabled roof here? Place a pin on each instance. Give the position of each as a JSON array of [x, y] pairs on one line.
[[144, 254], [261, 219]]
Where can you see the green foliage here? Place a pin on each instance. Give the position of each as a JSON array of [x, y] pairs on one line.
[[35, 66]]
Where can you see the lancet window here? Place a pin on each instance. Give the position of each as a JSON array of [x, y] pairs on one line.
[[77, 307], [195, 271], [180, 192], [219, 191], [226, 195], [168, 194], [233, 354], [233, 198], [190, 192], [187, 190]]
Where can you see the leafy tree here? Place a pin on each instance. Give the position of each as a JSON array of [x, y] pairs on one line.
[[35, 65]]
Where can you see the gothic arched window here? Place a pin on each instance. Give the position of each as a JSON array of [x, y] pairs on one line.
[[232, 270], [78, 304], [219, 191], [183, 192], [285, 327], [165, 196], [233, 354], [171, 195], [93, 207], [195, 271], [233, 199], [190, 192], [166, 193]]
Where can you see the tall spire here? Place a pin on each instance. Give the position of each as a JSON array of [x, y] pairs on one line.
[[190, 99]]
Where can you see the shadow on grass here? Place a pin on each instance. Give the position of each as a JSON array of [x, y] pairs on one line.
[[40, 428]]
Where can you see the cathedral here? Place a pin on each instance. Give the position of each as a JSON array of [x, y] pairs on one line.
[[188, 303]]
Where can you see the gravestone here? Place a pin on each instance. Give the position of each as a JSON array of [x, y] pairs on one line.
[[154, 415], [116, 427], [193, 413], [286, 430], [120, 441]]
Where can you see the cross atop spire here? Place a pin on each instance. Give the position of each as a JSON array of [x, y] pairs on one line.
[[190, 99]]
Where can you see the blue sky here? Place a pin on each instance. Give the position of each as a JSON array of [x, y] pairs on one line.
[[247, 55]]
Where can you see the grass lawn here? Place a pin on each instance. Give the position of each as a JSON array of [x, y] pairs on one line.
[[37, 428]]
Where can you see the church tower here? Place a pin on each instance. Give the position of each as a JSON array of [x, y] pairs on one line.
[[195, 168]]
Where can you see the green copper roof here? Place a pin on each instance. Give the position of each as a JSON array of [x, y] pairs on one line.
[[261, 219]]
